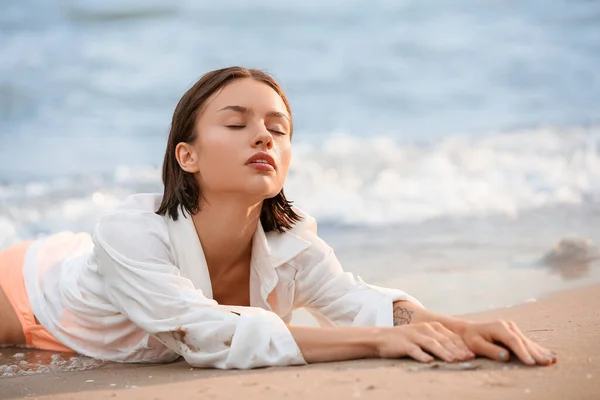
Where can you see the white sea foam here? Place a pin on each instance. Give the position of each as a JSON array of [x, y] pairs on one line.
[[380, 181], [36, 362], [353, 180]]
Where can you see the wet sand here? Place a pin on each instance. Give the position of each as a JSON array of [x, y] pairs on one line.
[[567, 322]]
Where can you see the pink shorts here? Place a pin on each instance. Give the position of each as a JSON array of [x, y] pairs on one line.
[[13, 285]]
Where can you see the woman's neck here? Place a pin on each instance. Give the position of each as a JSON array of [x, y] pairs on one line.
[[225, 227]]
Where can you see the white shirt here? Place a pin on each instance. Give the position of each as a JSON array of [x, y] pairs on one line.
[[139, 290]]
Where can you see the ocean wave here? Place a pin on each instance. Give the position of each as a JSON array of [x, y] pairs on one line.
[[381, 181], [359, 181]]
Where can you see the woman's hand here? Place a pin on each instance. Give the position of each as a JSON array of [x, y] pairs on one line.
[[489, 339], [420, 341], [493, 339]]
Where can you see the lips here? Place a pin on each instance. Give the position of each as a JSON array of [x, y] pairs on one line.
[[262, 158]]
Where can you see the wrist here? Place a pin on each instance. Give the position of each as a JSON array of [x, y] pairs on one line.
[[406, 312], [456, 325], [376, 339]]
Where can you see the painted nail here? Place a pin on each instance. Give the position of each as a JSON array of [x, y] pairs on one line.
[[531, 361], [503, 355]]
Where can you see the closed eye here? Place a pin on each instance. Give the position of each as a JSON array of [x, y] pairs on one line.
[[239, 127]]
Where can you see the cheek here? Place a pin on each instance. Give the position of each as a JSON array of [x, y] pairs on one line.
[[285, 156], [214, 145], [215, 154]]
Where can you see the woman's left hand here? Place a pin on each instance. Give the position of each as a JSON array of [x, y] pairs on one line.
[[486, 339]]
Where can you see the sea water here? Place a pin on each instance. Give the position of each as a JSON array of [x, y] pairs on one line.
[[20, 362], [404, 110]]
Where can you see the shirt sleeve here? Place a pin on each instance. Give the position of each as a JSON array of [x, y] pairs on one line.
[[134, 255], [336, 297]]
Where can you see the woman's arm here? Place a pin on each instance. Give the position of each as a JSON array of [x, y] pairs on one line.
[[481, 338], [335, 344], [418, 341], [338, 298]]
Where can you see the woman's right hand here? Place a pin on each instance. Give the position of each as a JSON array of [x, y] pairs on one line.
[[422, 340]]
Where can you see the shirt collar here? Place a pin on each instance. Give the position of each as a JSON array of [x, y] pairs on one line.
[[277, 248], [270, 250]]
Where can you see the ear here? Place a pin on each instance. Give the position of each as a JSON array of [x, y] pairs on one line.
[[187, 157]]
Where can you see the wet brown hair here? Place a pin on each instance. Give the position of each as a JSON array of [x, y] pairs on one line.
[[181, 188]]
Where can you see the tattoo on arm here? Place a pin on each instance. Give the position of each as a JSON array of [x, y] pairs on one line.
[[402, 316]]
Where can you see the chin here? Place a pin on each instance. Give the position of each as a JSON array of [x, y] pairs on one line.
[[263, 192], [263, 187], [271, 195]]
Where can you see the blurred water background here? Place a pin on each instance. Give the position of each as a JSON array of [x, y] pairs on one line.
[[450, 148]]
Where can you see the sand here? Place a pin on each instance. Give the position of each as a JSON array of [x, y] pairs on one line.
[[567, 322]]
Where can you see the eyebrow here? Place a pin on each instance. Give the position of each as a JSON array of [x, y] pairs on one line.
[[245, 110]]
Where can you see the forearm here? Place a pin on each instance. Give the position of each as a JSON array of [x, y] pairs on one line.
[[406, 312], [336, 344]]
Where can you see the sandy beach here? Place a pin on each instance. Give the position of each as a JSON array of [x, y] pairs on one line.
[[567, 322]]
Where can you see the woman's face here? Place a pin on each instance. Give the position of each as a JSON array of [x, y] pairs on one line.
[[243, 143]]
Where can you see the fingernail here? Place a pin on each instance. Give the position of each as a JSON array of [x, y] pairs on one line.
[[503, 355]]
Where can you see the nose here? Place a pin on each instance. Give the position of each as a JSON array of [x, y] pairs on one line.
[[263, 139]]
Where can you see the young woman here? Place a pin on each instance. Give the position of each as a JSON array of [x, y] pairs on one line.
[[212, 269]]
